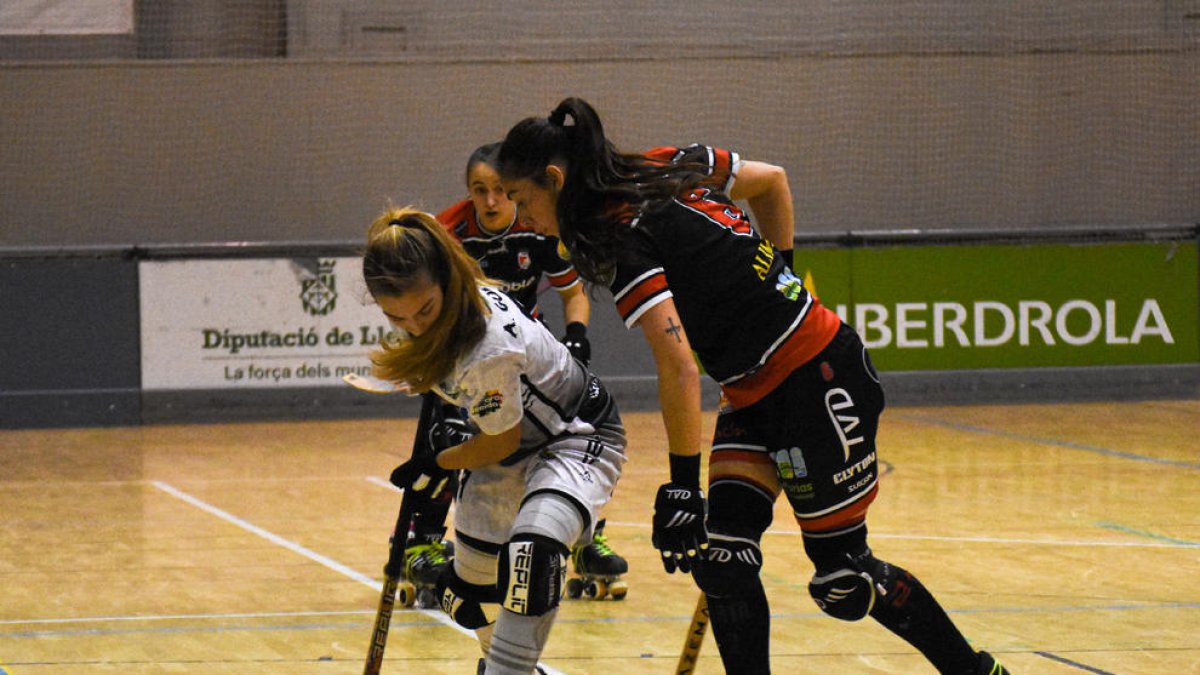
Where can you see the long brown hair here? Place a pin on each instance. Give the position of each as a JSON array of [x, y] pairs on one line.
[[407, 247]]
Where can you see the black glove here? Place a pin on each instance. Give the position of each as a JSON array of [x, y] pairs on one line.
[[577, 342], [678, 531], [789, 257], [423, 476]]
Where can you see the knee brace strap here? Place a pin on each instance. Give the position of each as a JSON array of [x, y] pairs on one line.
[[472, 606], [533, 570]]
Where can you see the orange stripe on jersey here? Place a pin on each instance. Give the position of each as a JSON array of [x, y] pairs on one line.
[[810, 338], [636, 296], [742, 465], [846, 516], [565, 279]]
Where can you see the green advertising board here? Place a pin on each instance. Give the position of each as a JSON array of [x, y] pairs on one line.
[[943, 307]]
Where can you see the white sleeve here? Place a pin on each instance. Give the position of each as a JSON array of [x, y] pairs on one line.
[[494, 393]]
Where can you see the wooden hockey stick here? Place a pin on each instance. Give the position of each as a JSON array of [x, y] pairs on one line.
[[695, 638]]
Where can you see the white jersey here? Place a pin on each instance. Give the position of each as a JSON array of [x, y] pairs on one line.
[[519, 373]]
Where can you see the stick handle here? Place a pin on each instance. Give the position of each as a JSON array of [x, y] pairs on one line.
[[695, 638]]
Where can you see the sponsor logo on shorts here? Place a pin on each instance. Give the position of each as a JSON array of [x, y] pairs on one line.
[[855, 469], [838, 400], [791, 463]]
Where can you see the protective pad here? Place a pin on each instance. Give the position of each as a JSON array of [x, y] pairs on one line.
[[844, 594], [729, 564], [470, 605], [533, 570]]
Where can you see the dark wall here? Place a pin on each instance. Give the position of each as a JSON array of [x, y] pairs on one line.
[[69, 341]]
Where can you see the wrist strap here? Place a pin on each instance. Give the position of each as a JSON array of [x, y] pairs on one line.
[[576, 329], [685, 470]]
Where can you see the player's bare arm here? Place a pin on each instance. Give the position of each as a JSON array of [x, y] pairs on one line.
[[481, 450], [678, 377], [576, 306], [766, 191]]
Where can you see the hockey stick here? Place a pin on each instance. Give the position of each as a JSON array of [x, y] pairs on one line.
[[695, 638], [410, 505], [391, 581]]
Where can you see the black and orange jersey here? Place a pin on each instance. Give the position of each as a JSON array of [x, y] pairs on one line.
[[516, 257], [748, 317], [722, 165]]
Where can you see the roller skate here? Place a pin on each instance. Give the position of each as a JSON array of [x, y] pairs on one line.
[[599, 570], [424, 560]]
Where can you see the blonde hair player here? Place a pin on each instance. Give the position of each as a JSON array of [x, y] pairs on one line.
[[542, 441]]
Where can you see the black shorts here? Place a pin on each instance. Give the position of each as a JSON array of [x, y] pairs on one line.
[[818, 429]]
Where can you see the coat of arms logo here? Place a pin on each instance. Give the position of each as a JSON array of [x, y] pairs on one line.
[[319, 294]]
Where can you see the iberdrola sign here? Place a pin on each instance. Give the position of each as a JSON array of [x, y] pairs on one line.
[[1014, 306]]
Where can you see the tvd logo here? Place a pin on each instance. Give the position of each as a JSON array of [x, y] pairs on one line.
[[837, 402]]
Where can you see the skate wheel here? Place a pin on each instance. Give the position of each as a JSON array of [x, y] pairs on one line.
[[618, 590], [574, 588], [406, 594], [595, 589]]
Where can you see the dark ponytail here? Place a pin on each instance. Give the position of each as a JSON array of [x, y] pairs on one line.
[[603, 185]]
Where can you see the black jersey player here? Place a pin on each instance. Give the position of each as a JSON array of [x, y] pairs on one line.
[[801, 400]]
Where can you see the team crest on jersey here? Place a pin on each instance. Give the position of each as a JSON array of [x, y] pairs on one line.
[[489, 404], [523, 259]]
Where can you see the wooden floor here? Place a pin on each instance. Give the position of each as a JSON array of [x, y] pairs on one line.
[[1063, 538]]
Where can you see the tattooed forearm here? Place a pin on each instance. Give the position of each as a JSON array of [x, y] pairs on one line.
[[674, 329]]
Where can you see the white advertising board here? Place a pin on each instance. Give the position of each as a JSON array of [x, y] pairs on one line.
[[223, 324], [66, 17]]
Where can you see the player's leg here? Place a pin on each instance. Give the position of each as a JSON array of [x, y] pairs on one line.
[[850, 583], [742, 492], [831, 482], [533, 566], [566, 486]]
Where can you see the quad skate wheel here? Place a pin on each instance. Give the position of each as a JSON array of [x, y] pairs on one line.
[[618, 589], [406, 594], [574, 588], [595, 589]]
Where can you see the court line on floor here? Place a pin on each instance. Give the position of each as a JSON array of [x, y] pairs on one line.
[[1054, 442], [1073, 664], [332, 564]]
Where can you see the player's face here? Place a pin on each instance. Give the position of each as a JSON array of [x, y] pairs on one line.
[[537, 204], [493, 207], [415, 310]]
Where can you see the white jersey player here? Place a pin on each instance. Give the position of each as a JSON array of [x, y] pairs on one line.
[[542, 442]]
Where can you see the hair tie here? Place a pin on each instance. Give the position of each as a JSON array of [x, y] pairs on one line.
[[410, 223]]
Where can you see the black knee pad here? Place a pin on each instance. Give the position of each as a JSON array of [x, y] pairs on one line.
[[472, 606], [738, 515], [730, 565], [845, 594], [533, 571]]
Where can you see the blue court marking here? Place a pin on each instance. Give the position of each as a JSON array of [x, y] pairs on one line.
[[1049, 441], [1073, 664], [1115, 527]]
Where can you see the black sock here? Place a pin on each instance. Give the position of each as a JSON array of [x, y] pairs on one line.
[[910, 611], [742, 628]]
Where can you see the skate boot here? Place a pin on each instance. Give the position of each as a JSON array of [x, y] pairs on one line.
[[482, 666], [423, 564], [988, 665], [598, 569]]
